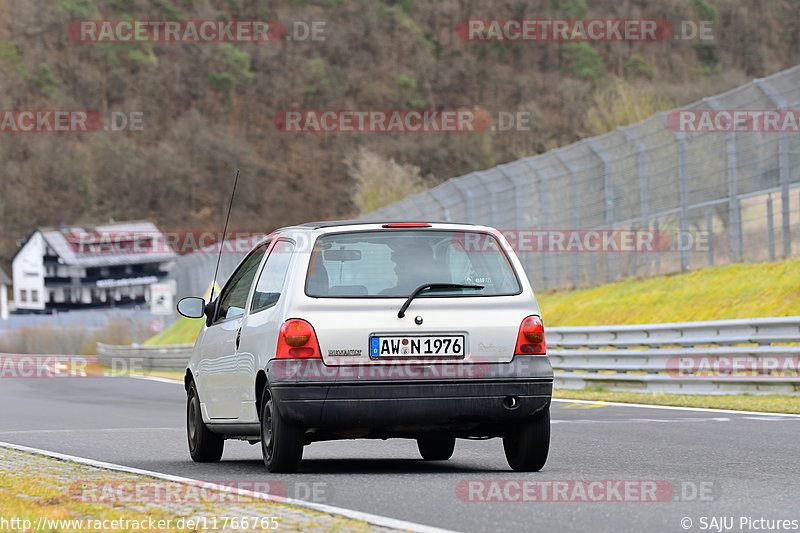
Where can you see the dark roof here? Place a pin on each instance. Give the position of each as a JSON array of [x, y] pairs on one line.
[[3, 278], [62, 241], [336, 223]]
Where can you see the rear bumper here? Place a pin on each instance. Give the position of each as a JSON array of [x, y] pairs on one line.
[[318, 396]]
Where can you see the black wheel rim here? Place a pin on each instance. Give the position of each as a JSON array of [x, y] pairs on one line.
[[191, 423], [267, 440]]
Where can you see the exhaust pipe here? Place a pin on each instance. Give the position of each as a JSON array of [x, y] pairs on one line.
[[510, 402]]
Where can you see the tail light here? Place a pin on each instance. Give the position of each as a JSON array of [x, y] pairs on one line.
[[297, 339], [530, 339], [406, 225]]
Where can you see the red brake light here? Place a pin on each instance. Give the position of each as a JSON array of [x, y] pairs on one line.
[[530, 339], [406, 225], [297, 339]]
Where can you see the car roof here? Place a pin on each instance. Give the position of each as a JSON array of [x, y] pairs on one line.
[[320, 225], [356, 222]]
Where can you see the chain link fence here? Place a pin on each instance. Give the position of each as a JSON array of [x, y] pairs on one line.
[[715, 197]]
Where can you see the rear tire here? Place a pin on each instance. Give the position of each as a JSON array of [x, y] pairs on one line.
[[436, 448], [281, 442], [527, 446], [204, 445]]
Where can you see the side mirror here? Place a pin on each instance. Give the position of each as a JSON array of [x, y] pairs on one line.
[[192, 307]]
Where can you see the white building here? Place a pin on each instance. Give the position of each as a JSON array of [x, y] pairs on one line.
[[73, 267], [4, 284]]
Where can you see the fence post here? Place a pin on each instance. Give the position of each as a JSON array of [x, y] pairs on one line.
[[493, 205], [684, 198], [545, 204], [442, 206], [644, 197], [576, 219], [658, 254], [783, 166], [517, 207], [608, 211], [468, 207], [770, 229], [710, 231], [734, 206], [526, 256]]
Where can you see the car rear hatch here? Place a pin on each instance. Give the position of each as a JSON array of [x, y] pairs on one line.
[[470, 311]]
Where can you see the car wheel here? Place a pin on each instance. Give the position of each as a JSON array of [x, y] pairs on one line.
[[436, 448], [281, 442], [526, 446], [204, 446]]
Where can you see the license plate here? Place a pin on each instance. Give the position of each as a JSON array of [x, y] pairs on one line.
[[416, 346]]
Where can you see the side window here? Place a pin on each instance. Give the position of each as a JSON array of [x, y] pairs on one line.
[[270, 283], [233, 299]]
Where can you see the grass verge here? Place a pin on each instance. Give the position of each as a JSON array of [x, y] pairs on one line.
[[741, 290], [767, 403], [182, 331], [167, 374], [34, 488]]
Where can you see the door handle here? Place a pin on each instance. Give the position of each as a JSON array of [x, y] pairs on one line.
[[238, 337]]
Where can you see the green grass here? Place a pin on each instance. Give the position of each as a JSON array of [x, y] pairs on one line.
[[168, 374], [767, 403], [182, 331], [33, 486], [742, 290]]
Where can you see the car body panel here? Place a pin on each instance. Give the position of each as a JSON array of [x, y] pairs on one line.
[[226, 375]]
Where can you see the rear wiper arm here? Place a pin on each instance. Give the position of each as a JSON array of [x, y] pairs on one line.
[[424, 287]]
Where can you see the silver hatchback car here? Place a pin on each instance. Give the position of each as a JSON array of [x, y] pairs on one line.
[[353, 329]]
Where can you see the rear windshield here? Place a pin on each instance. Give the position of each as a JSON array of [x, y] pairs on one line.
[[394, 263]]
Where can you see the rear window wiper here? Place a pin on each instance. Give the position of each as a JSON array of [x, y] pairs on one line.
[[424, 287]]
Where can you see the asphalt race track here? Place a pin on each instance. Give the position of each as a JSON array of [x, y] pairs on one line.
[[718, 464]]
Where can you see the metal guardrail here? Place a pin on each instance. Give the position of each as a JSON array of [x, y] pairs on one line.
[[159, 357], [637, 358], [682, 357]]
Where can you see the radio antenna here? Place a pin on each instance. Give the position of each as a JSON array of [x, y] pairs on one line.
[[224, 232]]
